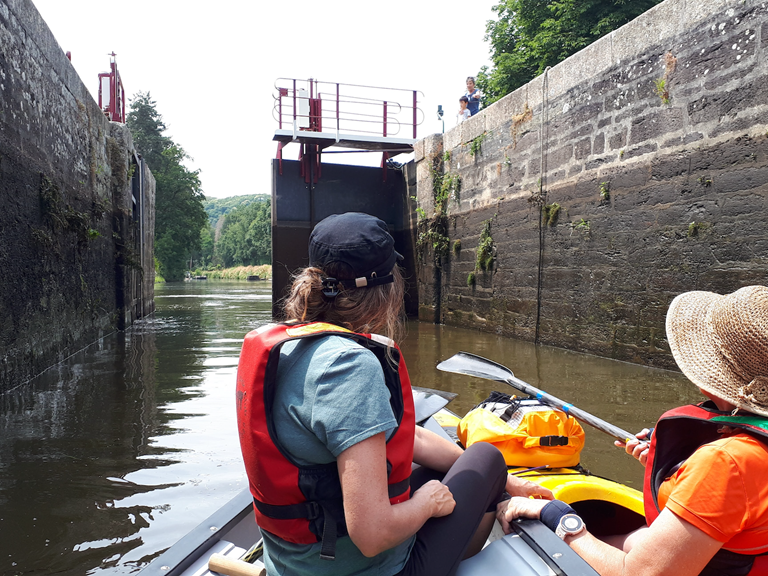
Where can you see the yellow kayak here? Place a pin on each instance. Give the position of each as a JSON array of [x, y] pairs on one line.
[[607, 507]]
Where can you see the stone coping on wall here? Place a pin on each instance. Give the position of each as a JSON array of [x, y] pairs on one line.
[[660, 25]]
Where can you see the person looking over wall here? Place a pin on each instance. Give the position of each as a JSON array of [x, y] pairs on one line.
[[463, 112], [705, 494], [473, 95], [326, 423]]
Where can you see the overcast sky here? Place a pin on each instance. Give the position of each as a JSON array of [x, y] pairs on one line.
[[211, 66]]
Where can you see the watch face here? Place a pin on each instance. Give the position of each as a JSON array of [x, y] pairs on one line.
[[570, 524]]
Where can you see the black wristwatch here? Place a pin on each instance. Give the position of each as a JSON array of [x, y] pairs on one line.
[[570, 525]]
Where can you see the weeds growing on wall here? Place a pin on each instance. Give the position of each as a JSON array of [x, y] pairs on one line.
[[550, 213], [661, 85], [477, 144], [485, 254], [485, 249], [605, 191], [518, 120], [60, 217], [433, 232], [582, 226]]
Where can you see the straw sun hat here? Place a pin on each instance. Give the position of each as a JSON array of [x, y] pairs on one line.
[[721, 344]]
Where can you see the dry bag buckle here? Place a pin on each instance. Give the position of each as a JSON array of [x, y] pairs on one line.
[[553, 441]]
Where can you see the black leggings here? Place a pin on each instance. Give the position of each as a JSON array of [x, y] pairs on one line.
[[476, 480]]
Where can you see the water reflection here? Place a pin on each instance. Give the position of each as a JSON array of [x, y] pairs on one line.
[[108, 458], [113, 455]]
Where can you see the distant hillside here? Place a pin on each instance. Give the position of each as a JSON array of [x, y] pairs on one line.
[[218, 207]]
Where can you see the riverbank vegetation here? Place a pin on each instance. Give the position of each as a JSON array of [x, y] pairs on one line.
[[238, 233], [264, 272], [179, 213]]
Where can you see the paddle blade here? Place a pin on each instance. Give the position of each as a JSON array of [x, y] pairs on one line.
[[477, 366]]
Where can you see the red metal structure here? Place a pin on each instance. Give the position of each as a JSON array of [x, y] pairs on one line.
[[318, 115], [112, 93]]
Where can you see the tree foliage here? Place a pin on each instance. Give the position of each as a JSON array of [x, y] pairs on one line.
[[179, 213], [218, 207], [246, 237], [530, 35]]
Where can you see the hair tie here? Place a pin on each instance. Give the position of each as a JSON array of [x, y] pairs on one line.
[[330, 287]]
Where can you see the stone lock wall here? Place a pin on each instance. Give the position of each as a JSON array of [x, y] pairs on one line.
[[633, 171], [77, 217]]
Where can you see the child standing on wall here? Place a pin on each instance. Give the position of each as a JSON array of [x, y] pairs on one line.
[[463, 112]]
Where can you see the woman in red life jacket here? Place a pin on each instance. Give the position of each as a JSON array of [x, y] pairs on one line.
[[326, 422], [705, 493]]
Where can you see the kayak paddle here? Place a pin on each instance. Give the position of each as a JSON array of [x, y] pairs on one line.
[[472, 365]]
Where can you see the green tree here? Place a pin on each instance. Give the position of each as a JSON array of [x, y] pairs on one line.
[[179, 213], [246, 237], [530, 35]]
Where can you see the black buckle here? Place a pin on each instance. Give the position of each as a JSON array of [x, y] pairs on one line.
[[553, 441], [330, 287]]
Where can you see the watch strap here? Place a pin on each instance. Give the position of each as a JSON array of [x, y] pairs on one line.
[[553, 511]]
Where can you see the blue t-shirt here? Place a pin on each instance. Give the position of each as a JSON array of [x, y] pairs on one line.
[[330, 396], [474, 103]]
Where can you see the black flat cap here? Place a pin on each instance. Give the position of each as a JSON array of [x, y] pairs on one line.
[[354, 245]]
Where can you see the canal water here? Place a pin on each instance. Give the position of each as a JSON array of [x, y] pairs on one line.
[[110, 457]]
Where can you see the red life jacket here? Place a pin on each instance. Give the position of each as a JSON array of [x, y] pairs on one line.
[[303, 504], [678, 434]]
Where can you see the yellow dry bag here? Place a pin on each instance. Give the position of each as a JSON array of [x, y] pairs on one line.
[[528, 432]]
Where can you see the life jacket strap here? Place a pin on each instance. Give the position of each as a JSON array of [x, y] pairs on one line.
[[399, 488], [306, 510], [328, 547]]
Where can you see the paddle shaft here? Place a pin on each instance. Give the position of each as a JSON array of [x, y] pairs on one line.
[[473, 365], [577, 413]]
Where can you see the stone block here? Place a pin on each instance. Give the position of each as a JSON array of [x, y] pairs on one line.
[[472, 127], [560, 156], [418, 151], [452, 139], [618, 140], [654, 124], [587, 63], [741, 179], [502, 111], [582, 149], [656, 27], [764, 36], [598, 146]]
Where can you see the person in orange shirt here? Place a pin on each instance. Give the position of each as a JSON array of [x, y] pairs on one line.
[[705, 493]]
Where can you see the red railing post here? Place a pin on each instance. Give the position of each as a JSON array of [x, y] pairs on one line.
[[294, 100], [337, 108], [414, 114], [385, 118]]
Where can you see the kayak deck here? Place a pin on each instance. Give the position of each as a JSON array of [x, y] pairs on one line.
[[607, 508]]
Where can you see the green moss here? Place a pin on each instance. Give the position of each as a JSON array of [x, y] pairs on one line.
[[471, 279], [605, 190], [485, 248], [551, 212], [477, 144], [457, 247]]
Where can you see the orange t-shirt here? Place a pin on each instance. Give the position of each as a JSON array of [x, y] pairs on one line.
[[722, 490]]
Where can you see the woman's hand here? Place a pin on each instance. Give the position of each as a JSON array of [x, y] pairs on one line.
[[637, 447], [517, 507], [519, 487], [438, 496]]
